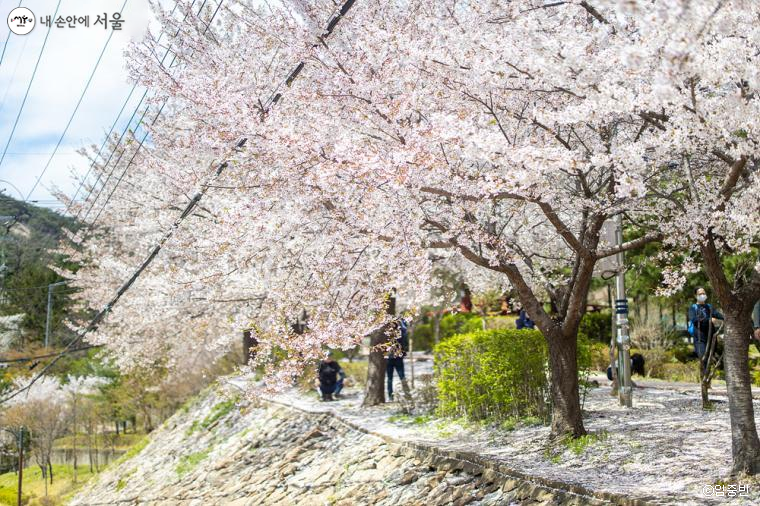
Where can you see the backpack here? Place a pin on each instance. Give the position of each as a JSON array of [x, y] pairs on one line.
[[328, 373], [690, 326]]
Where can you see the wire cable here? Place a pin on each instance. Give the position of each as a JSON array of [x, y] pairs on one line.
[[6, 40], [100, 150], [118, 142], [113, 126], [95, 321], [76, 108], [142, 141], [26, 94]]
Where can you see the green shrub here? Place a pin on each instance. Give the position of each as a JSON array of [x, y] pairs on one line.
[[218, 411], [501, 322], [422, 336], [597, 326], [681, 372], [460, 323], [496, 374], [599, 356], [451, 325]]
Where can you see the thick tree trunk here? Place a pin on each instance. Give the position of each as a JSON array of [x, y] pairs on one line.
[[375, 391], [745, 445], [566, 404]]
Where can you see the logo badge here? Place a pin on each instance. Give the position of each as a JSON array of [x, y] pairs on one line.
[[21, 20]]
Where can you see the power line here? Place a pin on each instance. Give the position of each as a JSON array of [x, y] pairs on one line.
[[118, 142], [76, 108], [6, 40], [116, 163], [48, 355], [110, 131], [170, 231], [105, 141], [26, 94], [145, 136]]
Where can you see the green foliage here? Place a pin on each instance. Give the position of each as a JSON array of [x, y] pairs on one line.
[[189, 462], [25, 253], [121, 484], [599, 355], [460, 323], [451, 325], [422, 336], [597, 326], [495, 374]]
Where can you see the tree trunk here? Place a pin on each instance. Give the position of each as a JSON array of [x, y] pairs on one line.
[[50, 467], [436, 328], [745, 445], [566, 411], [375, 391]]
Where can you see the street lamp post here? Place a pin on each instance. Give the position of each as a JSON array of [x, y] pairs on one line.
[[621, 317]]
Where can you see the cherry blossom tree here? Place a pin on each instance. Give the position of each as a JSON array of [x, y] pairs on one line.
[[504, 136], [416, 127]]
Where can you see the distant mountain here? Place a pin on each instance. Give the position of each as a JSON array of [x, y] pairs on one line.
[[28, 234], [36, 221]]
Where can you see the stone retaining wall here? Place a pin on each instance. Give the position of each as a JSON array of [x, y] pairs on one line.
[[280, 455]]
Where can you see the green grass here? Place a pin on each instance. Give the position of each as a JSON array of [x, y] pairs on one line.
[[34, 488], [579, 445], [189, 462], [220, 410]]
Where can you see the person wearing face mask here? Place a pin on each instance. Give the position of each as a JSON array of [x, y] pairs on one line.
[[702, 319]]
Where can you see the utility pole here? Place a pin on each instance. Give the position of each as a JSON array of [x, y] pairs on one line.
[[20, 462], [50, 310], [621, 314]]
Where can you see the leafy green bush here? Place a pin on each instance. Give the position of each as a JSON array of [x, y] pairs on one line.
[[597, 326], [460, 323], [496, 374], [451, 325], [501, 322], [422, 335], [599, 356]]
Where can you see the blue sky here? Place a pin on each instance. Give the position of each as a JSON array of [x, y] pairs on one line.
[[68, 59]]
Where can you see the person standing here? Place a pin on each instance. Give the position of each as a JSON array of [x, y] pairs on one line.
[[702, 319], [395, 357]]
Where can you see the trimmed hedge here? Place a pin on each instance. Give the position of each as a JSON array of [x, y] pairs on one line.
[[497, 374]]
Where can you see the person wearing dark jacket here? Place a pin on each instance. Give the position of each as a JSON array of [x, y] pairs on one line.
[[330, 378], [702, 319], [524, 322], [394, 360]]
